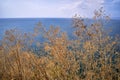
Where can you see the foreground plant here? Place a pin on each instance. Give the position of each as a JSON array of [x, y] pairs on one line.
[[92, 55]]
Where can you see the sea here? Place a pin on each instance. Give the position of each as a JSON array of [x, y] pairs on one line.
[[65, 24]]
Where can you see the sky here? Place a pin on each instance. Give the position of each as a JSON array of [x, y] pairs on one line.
[[56, 8]]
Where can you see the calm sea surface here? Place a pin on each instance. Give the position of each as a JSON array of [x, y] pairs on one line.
[[65, 24]]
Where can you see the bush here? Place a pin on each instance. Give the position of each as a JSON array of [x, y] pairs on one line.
[[93, 55]]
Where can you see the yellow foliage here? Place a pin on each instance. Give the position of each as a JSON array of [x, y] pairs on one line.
[[93, 55]]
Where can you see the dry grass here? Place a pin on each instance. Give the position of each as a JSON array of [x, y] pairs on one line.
[[94, 55]]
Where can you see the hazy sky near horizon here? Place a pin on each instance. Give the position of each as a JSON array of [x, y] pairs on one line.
[[56, 8]]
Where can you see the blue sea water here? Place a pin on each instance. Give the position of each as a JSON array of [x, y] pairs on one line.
[[28, 24], [65, 24]]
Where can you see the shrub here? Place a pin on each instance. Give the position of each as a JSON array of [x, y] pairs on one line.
[[93, 55]]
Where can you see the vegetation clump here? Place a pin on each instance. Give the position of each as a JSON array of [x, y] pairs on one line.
[[92, 55]]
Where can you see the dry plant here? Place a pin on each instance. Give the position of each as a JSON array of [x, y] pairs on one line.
[[93, 55], [97, 50]]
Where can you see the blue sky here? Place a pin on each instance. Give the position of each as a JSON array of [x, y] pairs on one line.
[[56, 8]]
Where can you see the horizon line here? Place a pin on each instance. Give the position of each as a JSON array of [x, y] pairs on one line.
[[49, 17]]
